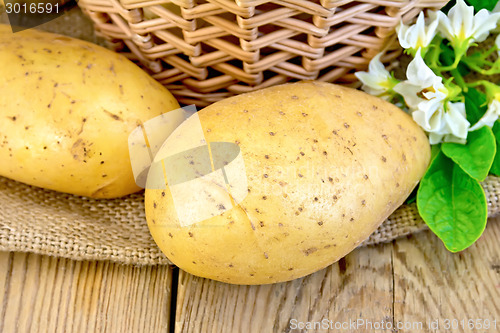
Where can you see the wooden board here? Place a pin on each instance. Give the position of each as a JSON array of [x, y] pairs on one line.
[[406, 285], [432, 284], [44, 294], [413, 281], [340, 292]]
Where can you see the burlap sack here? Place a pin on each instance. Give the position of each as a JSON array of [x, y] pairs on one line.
[[46, 222]]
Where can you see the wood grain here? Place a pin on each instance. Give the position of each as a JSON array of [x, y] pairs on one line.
[[399, 287], [46, 294], [412, 281], [358, 286], [434, 284]]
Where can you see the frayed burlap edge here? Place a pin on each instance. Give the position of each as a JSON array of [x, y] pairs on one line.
[[56, 224]]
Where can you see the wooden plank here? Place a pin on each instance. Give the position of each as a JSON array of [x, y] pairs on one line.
[[39, 293], [357, 287], [433, 284], [46, 294]]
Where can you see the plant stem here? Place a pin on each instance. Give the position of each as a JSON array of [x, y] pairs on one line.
[[451, 67], [491, 71], [434, 57], [459, 79], [491, 88], [485, 54]]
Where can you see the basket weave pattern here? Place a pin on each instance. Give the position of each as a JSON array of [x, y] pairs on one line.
[[203, 51]]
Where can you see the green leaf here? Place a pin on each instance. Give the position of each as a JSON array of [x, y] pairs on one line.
[[447, 56], [452, 204], [480, 4], [463, 69], [476, 156], [495, 167], [435, 149], [475, 105]]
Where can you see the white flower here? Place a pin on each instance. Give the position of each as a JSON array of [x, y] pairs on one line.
[[377, 81], [422, 84], [453, 125], [425, 95], [462, 27], [418, 35], [430, 115], [489, 118], [456, 121]]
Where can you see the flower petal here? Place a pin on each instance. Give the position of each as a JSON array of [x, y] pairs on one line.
[[419, 73], [429, 115], [403, 37], [377, 68], [484, 22], [444, 27], [454, 139], [409, 92], [489, 118], [456, 121], [462, 19], [431, 31], [421, 82], [497, 42], [462, 27], [418, 35], [435, 138], [377, 80]]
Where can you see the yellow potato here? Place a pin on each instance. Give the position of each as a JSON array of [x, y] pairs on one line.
[[67, 108], [324, 166]]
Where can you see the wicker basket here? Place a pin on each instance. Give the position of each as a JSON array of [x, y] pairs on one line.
[[203, 51]]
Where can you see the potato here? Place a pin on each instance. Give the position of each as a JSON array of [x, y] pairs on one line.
[[324, 166], [67, 108]]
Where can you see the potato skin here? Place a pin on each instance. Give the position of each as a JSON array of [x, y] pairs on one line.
[[325, 164], [67, 108]]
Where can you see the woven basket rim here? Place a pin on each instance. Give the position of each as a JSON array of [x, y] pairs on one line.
[[203, 52]]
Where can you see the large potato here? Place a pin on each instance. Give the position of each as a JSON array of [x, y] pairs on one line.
[[67, 108], [324, 164]]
